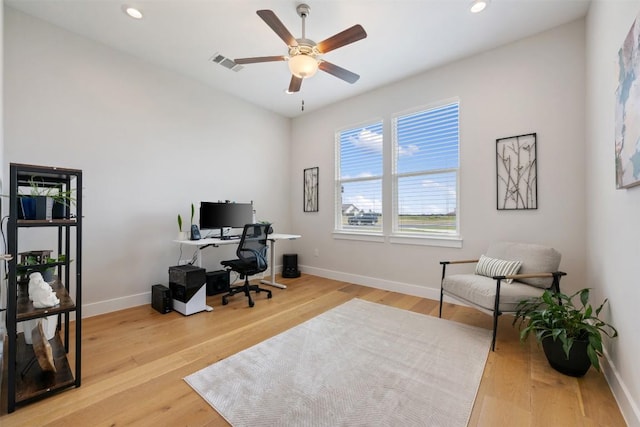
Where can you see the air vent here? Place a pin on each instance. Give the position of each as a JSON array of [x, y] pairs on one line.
[[226, 62]]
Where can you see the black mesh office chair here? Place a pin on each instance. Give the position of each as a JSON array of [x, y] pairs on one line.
[[252, 259]]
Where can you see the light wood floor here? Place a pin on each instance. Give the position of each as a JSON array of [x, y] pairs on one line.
[[134, 361]]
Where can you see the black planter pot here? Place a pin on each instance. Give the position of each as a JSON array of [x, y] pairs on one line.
[[59, 210], [35, 207], [576, 365]]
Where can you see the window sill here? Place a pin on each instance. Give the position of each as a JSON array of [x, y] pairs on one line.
[[401, 239], [366, 237], [440, 241]]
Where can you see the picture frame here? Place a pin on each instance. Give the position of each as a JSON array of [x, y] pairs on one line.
[[517, 172], [627, 115], [310, 189]]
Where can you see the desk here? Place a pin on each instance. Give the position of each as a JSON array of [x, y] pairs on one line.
[[215, 242]]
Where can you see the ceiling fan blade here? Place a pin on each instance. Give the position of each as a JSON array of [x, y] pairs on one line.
[[260, 59], [296, 83], [277, 26], [339, 72], [343, 38]]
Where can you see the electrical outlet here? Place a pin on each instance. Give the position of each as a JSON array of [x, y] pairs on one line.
[[316, 252], [183, 262]]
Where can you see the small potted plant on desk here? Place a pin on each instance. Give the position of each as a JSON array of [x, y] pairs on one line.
[[571, 336], [181, 234]]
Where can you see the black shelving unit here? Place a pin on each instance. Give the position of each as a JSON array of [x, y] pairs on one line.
[[26, 382]]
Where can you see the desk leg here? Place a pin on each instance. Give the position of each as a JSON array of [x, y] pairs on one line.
[[273, 269]]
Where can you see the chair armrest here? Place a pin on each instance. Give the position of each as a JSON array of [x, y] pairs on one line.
[[465, 261], [530, 275]]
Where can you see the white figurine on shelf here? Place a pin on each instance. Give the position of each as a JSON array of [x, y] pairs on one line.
[[40, 292]]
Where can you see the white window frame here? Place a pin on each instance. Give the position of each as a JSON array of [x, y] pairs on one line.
[[339, 230], [428, 238]]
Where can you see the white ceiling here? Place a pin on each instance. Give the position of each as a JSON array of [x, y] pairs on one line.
[[405, 37]]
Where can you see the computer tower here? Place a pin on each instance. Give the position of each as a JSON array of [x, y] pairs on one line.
[[161, 298], [217, 282], [188, 289], [290, 266]]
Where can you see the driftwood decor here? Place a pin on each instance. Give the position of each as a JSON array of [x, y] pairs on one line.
[[517, 172], [42, 349]]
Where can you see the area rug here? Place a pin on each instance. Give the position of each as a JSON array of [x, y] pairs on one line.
[[359, 364]]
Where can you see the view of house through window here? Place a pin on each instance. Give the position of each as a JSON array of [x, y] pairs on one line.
[[359, 178], [424, 175]]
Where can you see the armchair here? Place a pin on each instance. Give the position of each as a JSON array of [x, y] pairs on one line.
[[507, 274], [252, 259]]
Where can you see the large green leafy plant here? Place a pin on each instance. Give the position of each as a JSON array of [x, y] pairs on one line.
[[554, 315]]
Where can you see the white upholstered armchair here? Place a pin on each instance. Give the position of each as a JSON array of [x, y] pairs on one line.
[[508, 273]]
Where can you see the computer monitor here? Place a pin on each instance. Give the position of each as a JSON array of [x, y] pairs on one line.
[[218, 215]]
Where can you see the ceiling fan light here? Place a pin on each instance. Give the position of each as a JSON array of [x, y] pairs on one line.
[[303, 66], [478, 6], [132, 12]]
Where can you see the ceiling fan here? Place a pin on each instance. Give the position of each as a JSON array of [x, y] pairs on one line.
[[304, 54]]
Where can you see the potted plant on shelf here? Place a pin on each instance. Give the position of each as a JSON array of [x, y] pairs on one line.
[[46, 201], [38, 261], [571, 336]]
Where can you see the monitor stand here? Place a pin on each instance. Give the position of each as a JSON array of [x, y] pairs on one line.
[[222, 236]]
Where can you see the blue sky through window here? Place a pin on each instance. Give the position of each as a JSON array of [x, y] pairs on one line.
[[426, 163], [361, 160]]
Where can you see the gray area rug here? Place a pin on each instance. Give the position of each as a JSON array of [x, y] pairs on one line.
[[359, 364]]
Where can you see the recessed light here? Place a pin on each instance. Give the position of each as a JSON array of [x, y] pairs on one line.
[[132, 12], [478, 6]]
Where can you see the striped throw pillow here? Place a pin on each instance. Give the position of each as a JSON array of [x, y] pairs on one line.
[[497, 267]]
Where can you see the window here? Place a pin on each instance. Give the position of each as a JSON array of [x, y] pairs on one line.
[[425, 171], [359, 175], [417, 188]]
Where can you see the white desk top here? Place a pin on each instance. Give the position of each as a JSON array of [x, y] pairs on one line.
[[219, 242]]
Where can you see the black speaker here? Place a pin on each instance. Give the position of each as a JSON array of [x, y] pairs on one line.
[[161, 298], [290, 266], [217, 282]]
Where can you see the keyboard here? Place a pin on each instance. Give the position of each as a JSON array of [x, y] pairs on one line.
[[230, 238]]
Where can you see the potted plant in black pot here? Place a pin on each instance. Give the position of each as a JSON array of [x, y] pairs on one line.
[[571, 335], [46, 201]]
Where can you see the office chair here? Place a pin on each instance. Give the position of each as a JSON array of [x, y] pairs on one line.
[[252, 259]]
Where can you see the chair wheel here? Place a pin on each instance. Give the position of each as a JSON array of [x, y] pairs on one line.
[[224, 301], [258, 291], [269, 295], [251, 303]]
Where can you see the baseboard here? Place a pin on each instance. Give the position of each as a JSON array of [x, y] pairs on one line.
[[373, 282], [102, 307], [130, 301], [628, 406]]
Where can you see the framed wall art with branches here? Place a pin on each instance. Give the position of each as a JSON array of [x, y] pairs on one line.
[[517, 172], [311, 190]]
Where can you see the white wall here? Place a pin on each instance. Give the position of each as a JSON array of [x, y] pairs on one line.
[[149, 142], [2, 202], [534, 85], [613, 234]]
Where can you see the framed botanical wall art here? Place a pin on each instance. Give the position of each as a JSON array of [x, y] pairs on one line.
[[627, 124], [517, 172], [310, 186]]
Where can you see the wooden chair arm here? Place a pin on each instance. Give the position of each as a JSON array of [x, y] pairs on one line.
[[465, 261], [530, 275]]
